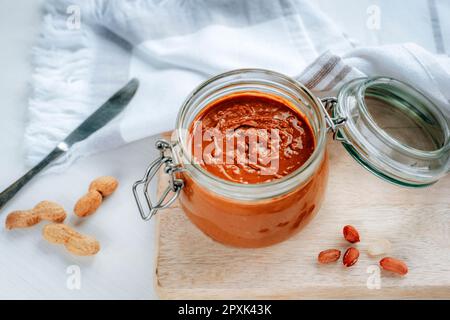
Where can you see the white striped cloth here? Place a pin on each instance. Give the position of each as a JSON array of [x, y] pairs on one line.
[[172, 46], [407, 62]]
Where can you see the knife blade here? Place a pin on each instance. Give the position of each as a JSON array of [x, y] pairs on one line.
[[108, 111], [102, 116]]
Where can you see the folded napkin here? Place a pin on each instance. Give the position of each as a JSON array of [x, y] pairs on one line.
[[408, 62], [172, 46]]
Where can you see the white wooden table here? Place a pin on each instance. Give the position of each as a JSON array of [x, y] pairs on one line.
[[32, 269]]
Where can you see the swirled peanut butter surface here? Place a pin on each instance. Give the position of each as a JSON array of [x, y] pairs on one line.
[[251, 138]]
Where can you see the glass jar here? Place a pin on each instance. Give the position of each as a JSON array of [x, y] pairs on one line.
[[390, 128]]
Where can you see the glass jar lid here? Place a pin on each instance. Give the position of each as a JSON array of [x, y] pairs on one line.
[[393, 130]]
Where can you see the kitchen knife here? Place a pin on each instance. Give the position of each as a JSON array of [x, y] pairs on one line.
[[108, 111]]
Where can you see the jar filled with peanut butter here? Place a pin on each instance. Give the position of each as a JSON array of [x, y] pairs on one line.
[[248, 158]]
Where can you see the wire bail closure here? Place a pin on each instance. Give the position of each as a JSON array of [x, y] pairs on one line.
[[334, 123], [175, 185]]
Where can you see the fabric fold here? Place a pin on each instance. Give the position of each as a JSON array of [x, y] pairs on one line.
[[408, 62]]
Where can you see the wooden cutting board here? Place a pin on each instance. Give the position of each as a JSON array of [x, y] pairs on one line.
[[189, 265]]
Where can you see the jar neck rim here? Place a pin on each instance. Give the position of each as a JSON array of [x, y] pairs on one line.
[[224, 80]]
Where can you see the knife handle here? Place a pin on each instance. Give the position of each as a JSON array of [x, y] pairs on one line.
[[12, 190]]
